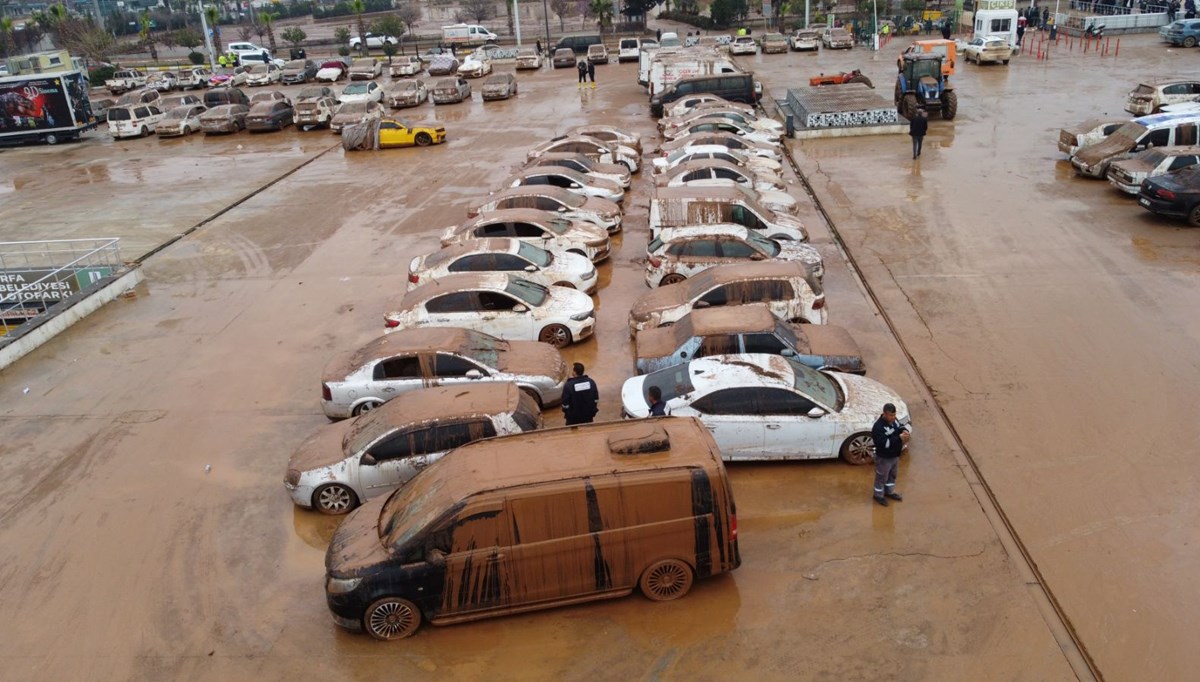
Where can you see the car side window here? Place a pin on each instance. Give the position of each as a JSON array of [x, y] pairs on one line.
[[474, 263], [1185, 134], [728, 401], [718, 344], [746, 218], [403, 443], [508, 261], [453, 435], [457, 302], [718, 296], [696, 175], [491, 300], [447, 365], [498, 230], [782, 401], [762, 343], [387, 125], [732, 248], [765, 290], [539, 180], [1182, 162], [482, 529], [727, 174], [544, 204], [1176, 89], [677, 249], [700, 248], [1157, 138], [399, 367]]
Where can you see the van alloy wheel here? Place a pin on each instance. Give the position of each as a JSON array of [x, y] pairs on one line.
[[666, 580], [859, 449], [334, 499], [392, 618]]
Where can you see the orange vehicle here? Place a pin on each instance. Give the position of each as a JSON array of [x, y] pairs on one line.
[[855, 76], [946, 48]]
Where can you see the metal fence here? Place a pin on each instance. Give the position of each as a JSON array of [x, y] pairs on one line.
[[37, 275]]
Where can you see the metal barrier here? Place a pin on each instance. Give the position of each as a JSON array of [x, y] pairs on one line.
[[36, 275], [1117, 22]]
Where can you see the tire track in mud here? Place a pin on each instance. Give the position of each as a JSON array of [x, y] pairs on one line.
[[1060, 625], [247, 197]]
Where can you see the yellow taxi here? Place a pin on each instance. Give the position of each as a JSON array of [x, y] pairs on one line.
[[398, 132]]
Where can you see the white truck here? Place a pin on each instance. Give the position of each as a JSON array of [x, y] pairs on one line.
[[124, 81], [44, 107], [467, 34], [648, 52], [666, 69]]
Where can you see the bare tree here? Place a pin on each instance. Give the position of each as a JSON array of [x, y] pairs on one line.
[[409, 13], [476, 10], [245, 32], [83, 37], [563, 9]]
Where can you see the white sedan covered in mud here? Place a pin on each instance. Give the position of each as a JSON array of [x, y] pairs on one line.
[[680, 253], [718, 169], [499, 304], [540, 228], [596, 150], [568, 204], [668, 161], [766, 407], [574, 181], [723, 125], [505, 254]]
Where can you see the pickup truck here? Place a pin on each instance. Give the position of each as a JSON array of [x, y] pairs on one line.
[[124, 81], [194, 78]]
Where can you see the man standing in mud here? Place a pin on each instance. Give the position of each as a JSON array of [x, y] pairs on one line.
[[581, 398], [889, 437], [582, 67], [592, 73], [917, 128]]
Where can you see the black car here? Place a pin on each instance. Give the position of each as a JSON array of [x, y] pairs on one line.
[[1174, 194], [299, 71], [269, 116]]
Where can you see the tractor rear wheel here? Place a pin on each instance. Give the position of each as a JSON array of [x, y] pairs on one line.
[[949, 105], [908, 106], [899, 94]]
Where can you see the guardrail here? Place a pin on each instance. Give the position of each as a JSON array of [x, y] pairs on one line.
[[1117, 22], [36, 275]]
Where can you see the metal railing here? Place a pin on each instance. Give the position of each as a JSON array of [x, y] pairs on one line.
[[38, 274]]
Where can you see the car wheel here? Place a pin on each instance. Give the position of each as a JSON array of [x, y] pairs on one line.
[[532, 394], [556, 335], [144, 132], [366, 406], [392, 618], [666, 580], [859, 449], [673, 278], [423, 140], [1189, 42], [51, 139], [1194, 215], [334, 499]]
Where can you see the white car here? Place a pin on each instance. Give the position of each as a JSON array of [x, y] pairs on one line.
[[373, 41], [134, 120], [628, 50], [582, 164], [264, 74], [406, 66], [609, 135], [409, 360], [331, 71], [988, 49], [540, 228], [743, 144], [1127, 175], [366, 68], [476, 65], [573, 181], [249, 51], [768, 407], [499, 304], [717, 169], [680, 253], [505, 254], [342, 465], [723, 125], [663, 164], [594, 149], [1091, 131], [738, 116], [773, 199], [701, 100], [743, 45], [180, 121], [564, 202], [163, 81], [369, 91]]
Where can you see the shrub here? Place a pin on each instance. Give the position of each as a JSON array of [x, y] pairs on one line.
[[196, 58], [98, 75]]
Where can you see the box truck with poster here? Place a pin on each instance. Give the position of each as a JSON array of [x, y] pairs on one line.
[[46, 108]]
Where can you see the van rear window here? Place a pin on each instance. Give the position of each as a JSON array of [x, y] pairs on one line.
[[118, 115]]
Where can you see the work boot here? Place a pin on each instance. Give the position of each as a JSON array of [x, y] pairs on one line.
[[880, 501], [593, 85], [894, 496]]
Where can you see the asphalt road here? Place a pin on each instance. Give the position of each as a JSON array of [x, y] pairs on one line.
[[1033, 303]]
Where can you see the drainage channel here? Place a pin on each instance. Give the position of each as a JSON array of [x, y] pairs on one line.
[[1064, 632]]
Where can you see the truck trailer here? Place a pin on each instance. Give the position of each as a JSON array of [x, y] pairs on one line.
[[46, 108], [666, 69]]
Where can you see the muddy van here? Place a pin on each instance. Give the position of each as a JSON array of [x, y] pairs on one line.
[[528, 522], [1159, 130]]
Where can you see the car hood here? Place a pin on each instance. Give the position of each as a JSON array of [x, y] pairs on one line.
[[865, 399], [1132, 166], [1108, 147], [603, 207], [659, 299], [355, 549], [633, 397], [565, 301], [323, 448], [800, 252], [828, 340], [532, 358]]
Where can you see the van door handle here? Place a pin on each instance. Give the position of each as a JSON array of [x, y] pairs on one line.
[[772, 426]]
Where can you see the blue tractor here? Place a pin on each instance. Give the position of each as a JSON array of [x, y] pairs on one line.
[[921, 83]]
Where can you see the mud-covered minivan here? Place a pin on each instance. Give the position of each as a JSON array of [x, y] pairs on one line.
[[1159, 130], [532, 521]]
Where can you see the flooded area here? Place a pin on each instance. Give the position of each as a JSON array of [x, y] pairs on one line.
[[1053, 321]]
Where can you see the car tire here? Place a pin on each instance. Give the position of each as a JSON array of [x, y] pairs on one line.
[[858, 449], [556, 335], [1194, 216], [334, 499], [144, 132], [672, 278], [1189, 42], [423, 140], [391, 618], [666, 580], [50, 139], [366, 406], [532, 394]]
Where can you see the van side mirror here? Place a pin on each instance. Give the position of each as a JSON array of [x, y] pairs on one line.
[[435, 557], [367, 460]]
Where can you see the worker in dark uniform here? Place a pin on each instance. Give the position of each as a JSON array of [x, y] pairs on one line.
[[581, 398], [657, 407]]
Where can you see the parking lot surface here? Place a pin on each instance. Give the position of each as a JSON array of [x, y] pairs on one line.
[[143, 466]]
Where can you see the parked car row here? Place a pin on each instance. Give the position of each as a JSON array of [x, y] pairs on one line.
[[223, 110]]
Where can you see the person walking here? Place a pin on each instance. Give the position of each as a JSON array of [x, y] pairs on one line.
[[658, 35], [657, 407], [580, 398], [890, 438], [917, 128], [945, 29], [1020, 34], [591, 72], [539, 47], [1045, 18], [582, 67]]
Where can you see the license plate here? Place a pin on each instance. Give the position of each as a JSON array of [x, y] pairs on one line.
[[1144, 201]]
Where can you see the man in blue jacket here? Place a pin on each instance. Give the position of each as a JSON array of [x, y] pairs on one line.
[[890, 437], [580, 398]]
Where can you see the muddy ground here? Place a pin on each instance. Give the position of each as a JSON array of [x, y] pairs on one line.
[[1046, 312]]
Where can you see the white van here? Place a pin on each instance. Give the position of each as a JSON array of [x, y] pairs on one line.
[[134, 120], [628, 50], [467, 34], [1159, 130]]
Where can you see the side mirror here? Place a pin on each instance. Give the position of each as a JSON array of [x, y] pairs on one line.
[[368, 460], [547, 236], [531, 268], [575, 185], [701, 304], [816, 413], [474, 374], [435, 557], [520, 308], [562, 209]]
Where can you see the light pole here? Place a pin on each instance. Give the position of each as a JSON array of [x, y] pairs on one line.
[[875, 24], [208, 44], [546, 18], [517, 21]]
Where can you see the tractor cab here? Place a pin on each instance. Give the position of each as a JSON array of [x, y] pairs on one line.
[[922, 83]]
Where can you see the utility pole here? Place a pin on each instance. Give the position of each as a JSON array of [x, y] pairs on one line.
[[517, 21], [208, 43], [546, 18]]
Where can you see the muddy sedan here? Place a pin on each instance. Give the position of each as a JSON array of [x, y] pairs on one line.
[[406, 93], [499, 304], [272, 115], [728, 140], [1127, 174], [557, 176], [608, 135], [723, 125], [788, 289], [768, 407], [564, 202], [746, 329], [226, 118], [505, 255], [405, 66], [451, 91], [592, 148], [344, 464], [394, 364], [582, 164], [180, 121], [499, 86], [354, 112], [715, 151], [719, 169], [540, 228], [679, 253], [443, 65]]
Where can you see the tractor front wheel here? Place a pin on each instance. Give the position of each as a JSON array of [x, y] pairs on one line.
[[949, 105]]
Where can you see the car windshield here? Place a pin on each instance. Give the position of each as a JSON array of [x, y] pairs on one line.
[[261, 68], [407, 512], [181, 112], [557, 225], [670, 42], [672, 381], [530, 292], [762, 244], [1130, 133], [356, 89], [815, 385], [1152, 157], [294, 64], [531, 253]]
